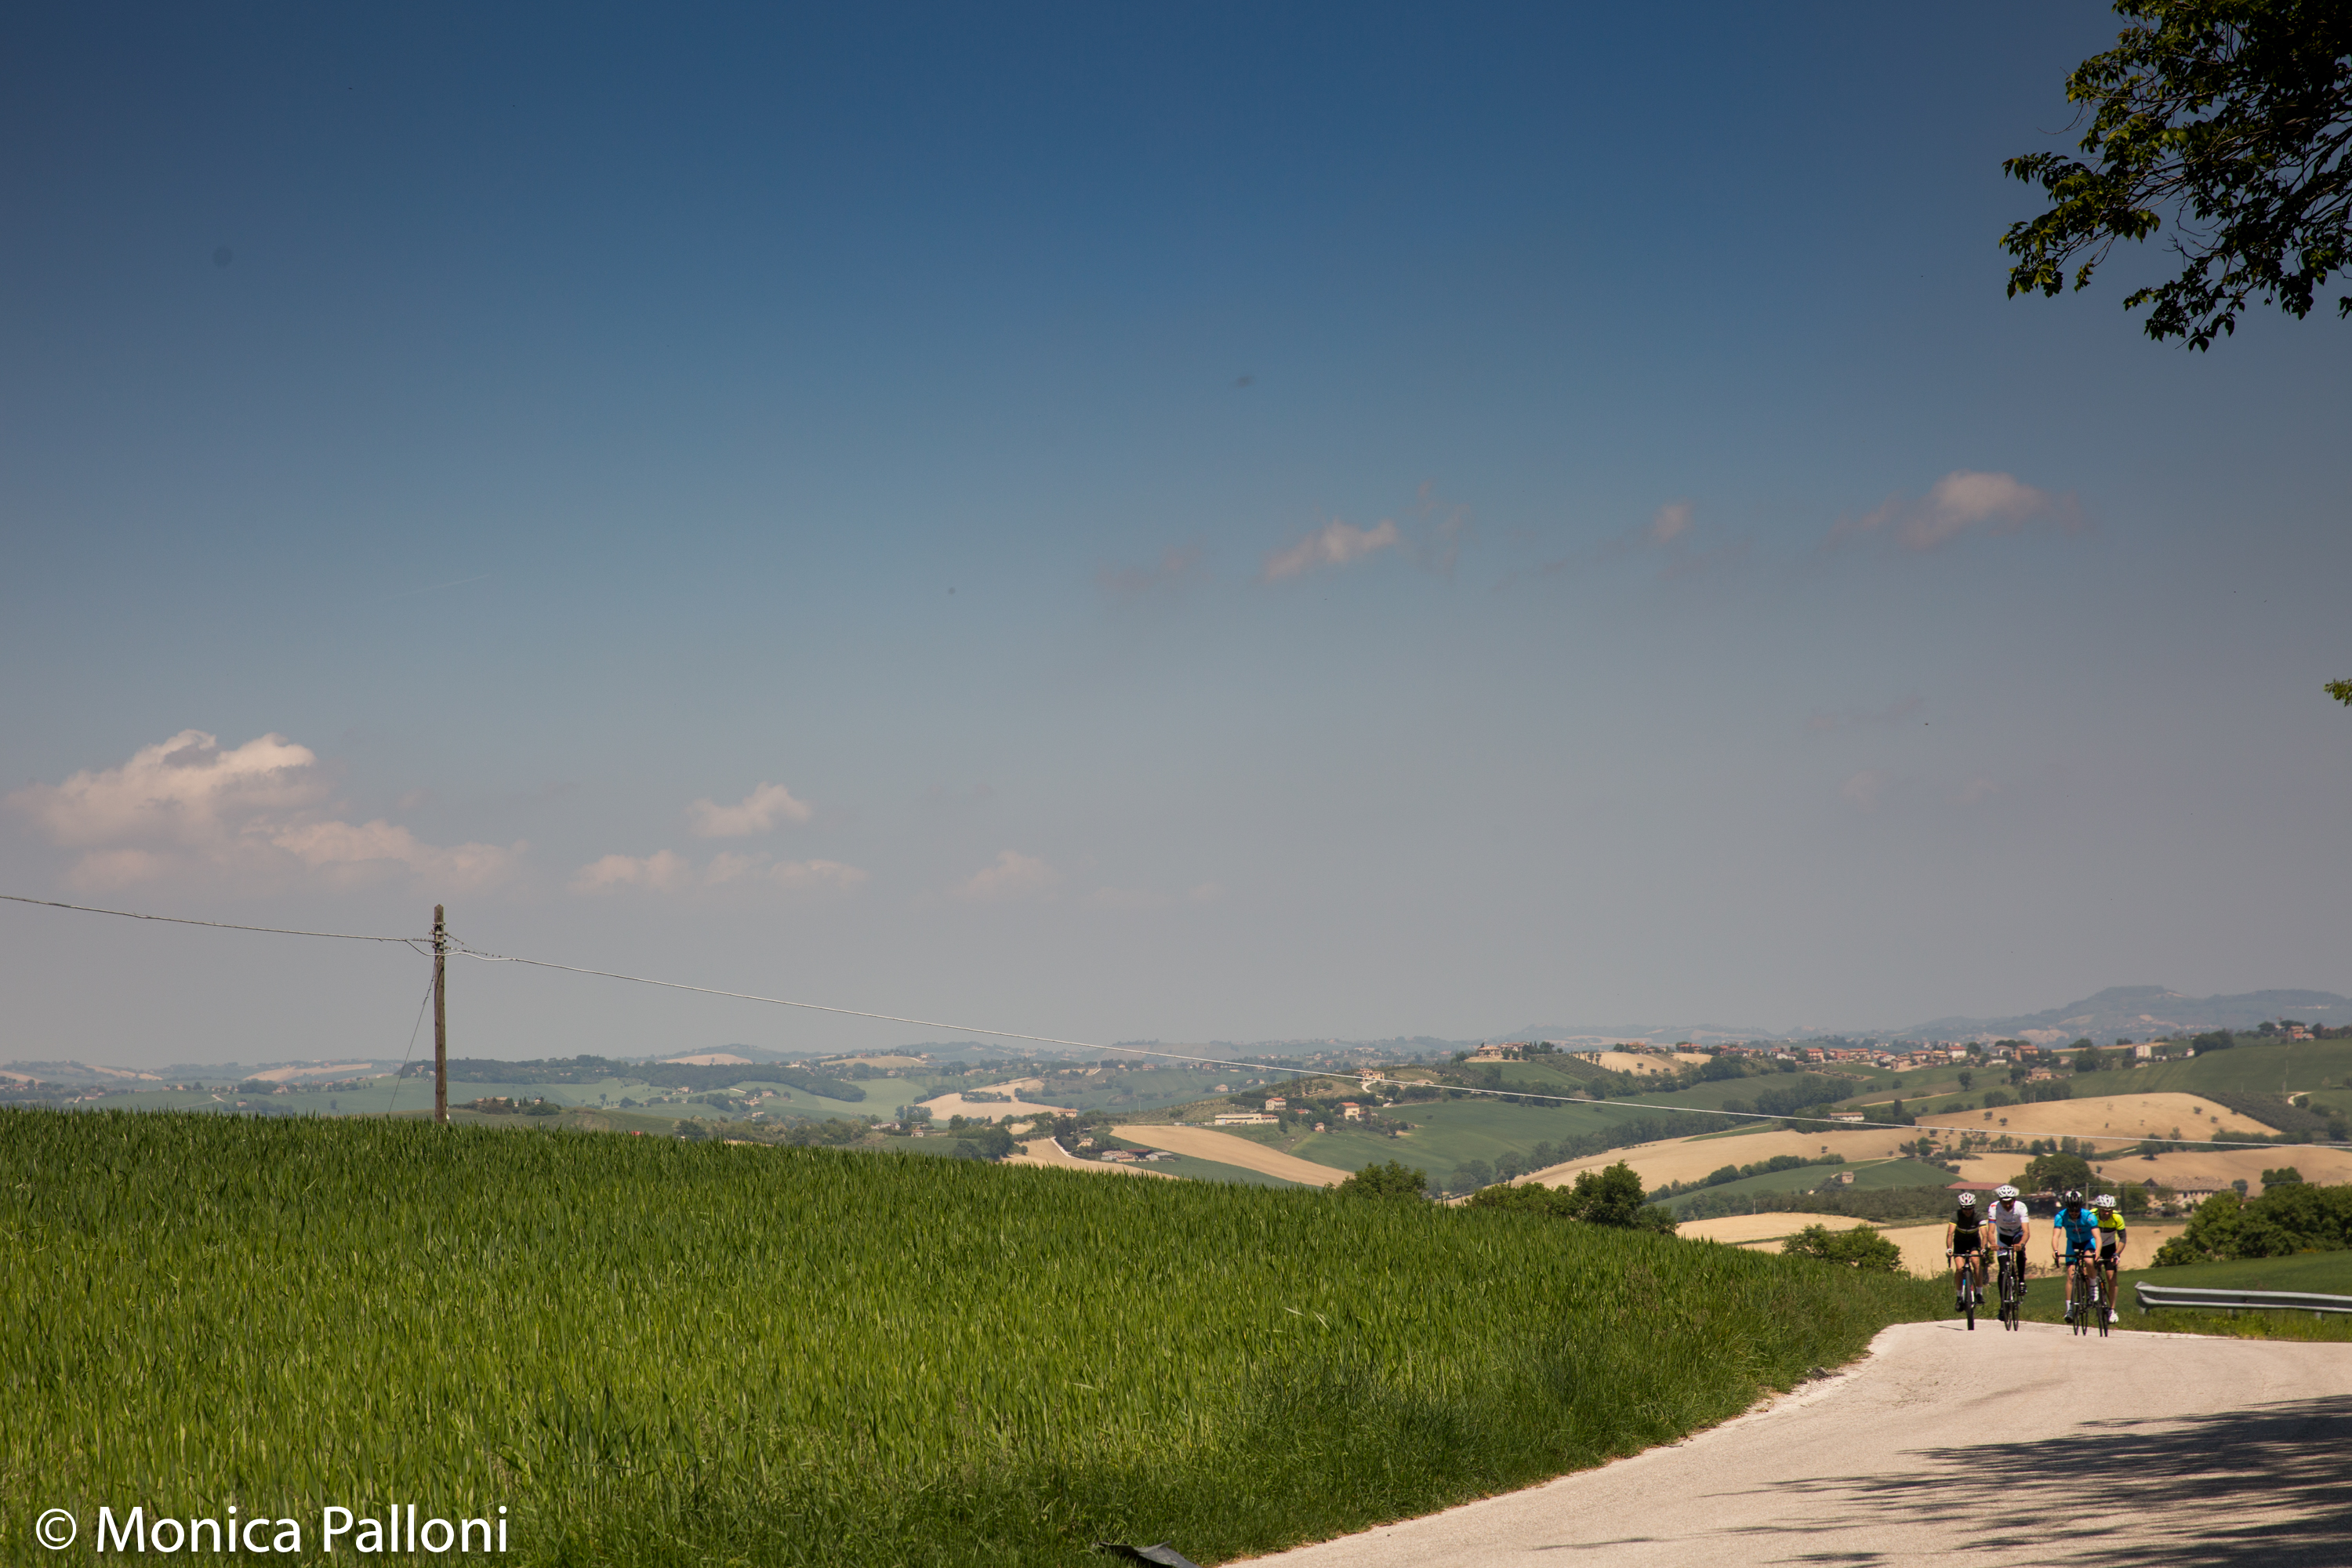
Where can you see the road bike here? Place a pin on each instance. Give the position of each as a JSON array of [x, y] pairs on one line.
[[2090, 1295], [2011, 1286], [1966, 1291]]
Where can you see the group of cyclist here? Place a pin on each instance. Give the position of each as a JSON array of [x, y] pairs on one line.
[[2086, 1229]]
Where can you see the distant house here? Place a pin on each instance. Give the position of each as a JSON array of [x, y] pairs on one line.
[[1276, 1103], [1120, 1156], [1351, 1110], [1244, 1119]]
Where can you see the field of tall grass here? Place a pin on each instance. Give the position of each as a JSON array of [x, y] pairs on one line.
[[659, 1353]]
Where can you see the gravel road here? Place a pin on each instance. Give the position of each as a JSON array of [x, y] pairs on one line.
[[1944, 1446]]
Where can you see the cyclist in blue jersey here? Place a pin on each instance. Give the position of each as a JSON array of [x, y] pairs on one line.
[[2079, 1228]]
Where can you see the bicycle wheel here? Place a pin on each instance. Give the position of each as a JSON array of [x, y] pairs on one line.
[[2099, 1305]]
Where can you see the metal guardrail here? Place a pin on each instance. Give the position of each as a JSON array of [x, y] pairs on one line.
[[2154, 1296]]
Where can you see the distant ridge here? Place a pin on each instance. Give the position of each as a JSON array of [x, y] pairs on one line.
[[2142, 1012], [1632, 1034]]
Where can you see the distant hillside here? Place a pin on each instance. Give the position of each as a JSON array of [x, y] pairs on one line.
[[1656, 1034], [2141, 1012]]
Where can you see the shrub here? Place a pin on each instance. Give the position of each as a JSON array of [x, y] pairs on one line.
[[1861, 1248], [2298, 1216]]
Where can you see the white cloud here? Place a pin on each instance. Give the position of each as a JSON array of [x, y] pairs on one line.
[[1670, 522], [1128, 900], [1961, 501], [1014, 875], [758, 812], [830, 876], [1134, 900], [257, 809], [1866, 788], [184, 791], [1336, 543], [660, 872], [1178, 565], [1897, 713], [665, 872]]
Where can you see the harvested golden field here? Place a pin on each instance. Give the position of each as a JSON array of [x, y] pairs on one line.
[[1207, 1143], [2123, 1116]]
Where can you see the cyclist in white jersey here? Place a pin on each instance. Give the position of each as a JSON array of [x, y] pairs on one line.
[[2012, 1223]]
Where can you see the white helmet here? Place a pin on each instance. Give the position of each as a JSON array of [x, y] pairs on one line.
[[2106, 1200], [2005, 1192], [1968, 1200]]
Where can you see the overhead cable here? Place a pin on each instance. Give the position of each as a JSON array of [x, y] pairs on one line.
[[411, 943]]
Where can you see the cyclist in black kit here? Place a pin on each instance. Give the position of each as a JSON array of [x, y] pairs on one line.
[[1963, 1239]]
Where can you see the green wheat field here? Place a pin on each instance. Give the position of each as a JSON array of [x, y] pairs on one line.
[[660, 1352]]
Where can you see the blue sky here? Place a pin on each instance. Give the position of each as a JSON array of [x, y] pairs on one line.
[[1193, 523]]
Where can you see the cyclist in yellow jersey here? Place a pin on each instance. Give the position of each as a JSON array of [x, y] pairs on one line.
[[2112, 1236]]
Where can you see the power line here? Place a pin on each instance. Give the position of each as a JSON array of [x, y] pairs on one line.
[[463, 950], [411, 943]]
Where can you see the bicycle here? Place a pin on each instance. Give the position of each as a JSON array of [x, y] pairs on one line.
[[2089, 1299], [1966, 1292], [2012, 1287]]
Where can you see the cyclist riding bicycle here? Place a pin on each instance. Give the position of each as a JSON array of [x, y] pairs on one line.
[[1964, 1244], [2012, 1222], [2075, 1223], [2112, 1236]]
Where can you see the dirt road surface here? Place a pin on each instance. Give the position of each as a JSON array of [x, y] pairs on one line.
[[1945, 1447]]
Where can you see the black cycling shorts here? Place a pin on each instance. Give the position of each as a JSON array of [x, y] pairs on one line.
[[1964, 1244], [2107, 1252]]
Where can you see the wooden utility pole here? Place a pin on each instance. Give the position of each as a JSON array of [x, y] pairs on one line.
[[440, 1018]]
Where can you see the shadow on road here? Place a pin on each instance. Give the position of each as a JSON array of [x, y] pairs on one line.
[[2268, 1485]]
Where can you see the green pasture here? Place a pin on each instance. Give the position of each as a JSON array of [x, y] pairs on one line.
[[1447, 1132], [658, 1353], [1873, 1174], [1193, 1168], [2295, 1065]]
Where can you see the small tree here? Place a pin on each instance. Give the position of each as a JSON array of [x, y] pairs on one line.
[[2056, 1173], [1393, 1180]]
